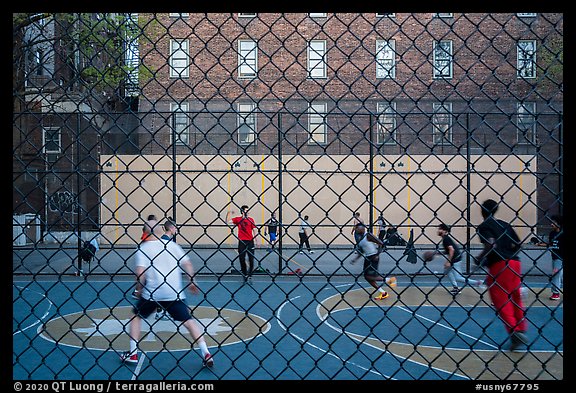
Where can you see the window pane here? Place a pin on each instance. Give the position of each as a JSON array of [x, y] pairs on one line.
[[385, 59], [442, 123], [180, 123], [443, 59], [179, 59], [52, 140], [246, 123], [316, 59], [247, 59], [526, 122], [317, 123], [386, 130], [527, 59]]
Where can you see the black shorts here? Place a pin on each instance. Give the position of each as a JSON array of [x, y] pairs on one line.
[[177, 309], [371, 265]]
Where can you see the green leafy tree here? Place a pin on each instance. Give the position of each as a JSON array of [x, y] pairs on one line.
[[551, 62], [91, 51]]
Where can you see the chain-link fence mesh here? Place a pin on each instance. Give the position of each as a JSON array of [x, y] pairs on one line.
[[418, 117]]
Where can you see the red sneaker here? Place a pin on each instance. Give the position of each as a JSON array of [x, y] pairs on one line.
[[127, 358], [555, 296], [208, 361]]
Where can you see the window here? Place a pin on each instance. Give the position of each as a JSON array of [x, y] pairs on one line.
[[442, 123], [317, 59], [386, 123], [246, 15], [246, 123], [385, 15], [526, 59], [526, 123], [176, 15], [444, 15], [385, 59], [52, 143], [247, 59], [39, 62], [178, 58], [442, 59], [317, 15], [317, 123], [41, 21], [132, 55], [526, 15], [180, 123]]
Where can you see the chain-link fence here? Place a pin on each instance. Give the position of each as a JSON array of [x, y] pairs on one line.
[[415, 118]]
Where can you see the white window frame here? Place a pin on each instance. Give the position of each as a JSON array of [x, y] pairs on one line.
[[247, 59], [444, 15], [526, 123], [317, 123], [179, 15], [385, 59], [246, 118], [442, 123], [180, 123], [438, 64], [392, 15], [522, 61], [179, 52], [317, 59], [246, 15], [58, 143], [317, 15], [386, 123], [527, 15]]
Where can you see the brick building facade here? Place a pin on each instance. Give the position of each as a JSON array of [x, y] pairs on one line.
[[493, 91]]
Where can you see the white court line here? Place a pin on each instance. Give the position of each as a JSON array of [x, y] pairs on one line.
[[278, 319], [361, 339], [458, 332], [50, 304], [136, 372]]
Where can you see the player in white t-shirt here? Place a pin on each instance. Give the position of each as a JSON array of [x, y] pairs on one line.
[[159, 267], [369, 249]]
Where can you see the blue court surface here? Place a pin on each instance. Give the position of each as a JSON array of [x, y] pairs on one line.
[[285, 328]]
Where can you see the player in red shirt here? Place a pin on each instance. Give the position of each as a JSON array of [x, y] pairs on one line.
[[247, 232]]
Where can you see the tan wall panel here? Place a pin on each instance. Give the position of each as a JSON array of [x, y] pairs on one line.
[[326, 188]]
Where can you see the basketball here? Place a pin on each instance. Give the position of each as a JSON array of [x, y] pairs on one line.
[[428, 255]]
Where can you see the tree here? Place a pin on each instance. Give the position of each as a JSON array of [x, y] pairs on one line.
[[551, 62], [89, 54]]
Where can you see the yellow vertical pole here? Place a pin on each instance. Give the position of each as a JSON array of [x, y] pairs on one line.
[[263, 187], [373, 191], [230, 169], [520, 162], [116, 198], [409, 202]]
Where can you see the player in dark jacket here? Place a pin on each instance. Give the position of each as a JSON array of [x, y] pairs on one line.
[[504, 280]]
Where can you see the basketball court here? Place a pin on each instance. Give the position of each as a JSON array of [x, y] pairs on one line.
[[282, 328]]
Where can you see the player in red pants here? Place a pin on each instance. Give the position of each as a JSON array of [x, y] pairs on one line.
[[500, 257]]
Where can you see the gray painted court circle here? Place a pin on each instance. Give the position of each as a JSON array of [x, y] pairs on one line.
[[105, 329]]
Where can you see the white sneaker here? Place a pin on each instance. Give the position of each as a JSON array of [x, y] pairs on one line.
[[311, 252]]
